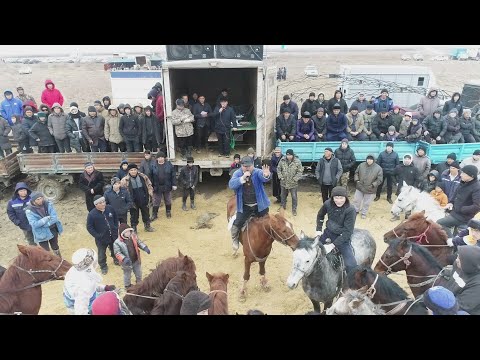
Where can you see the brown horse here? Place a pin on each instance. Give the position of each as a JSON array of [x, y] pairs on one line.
[[218, 293], [422, 269], [257, 240], [170, 302], [20, 285], [425, 233], [140, 298]]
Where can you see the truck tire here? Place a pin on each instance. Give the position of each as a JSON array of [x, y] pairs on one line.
[[52, 189]]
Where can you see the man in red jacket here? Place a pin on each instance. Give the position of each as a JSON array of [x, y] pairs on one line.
[[51, 95]]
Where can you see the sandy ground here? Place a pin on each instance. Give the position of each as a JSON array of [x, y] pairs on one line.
[[210, 248]]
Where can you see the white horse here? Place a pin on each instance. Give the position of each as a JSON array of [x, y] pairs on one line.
[[355, 302], [415, 200]]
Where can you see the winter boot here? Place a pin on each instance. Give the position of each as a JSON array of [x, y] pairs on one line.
[[148, 228], [134, 227], [154, 214], [184, 205], [192, 204], [169, 211], [235, 231], [58, 253]]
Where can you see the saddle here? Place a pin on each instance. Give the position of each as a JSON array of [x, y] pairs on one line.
[[335, 259], [250, 218]]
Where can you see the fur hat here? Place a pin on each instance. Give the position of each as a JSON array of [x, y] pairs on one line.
[[441, 301], [83, 258], [98, 199], [194, 302], [106, 304], [132, 166], [470, 170], [339, 191]]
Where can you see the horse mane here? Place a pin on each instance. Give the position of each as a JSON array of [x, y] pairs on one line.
[[386, 286], [161, 275], [440, 232], [305, 243], [12, 274], [420, 250], [177, 285]]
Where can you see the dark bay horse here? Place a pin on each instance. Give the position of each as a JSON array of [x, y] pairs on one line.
[[170, 302], [149, 289], [257, 240], [218, 293], [426, 233], [423, 271], [20, 285], [384, 292], [323, 275]]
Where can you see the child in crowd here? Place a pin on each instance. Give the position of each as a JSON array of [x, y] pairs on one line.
[[235, 165], [439, 195], [392, 134]]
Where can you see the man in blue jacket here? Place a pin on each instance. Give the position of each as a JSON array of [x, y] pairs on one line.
[[102, 224], [10, 106], [16, 210], [251, 196]]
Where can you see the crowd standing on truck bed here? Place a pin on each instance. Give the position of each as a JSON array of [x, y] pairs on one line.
[[138, 189]]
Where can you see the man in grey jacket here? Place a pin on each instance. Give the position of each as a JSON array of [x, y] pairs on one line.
[[328, 172], [57, 121], [367, 178], [422, 162]]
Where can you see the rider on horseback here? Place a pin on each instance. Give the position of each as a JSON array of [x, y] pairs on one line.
[[340, 225], [251, 196]]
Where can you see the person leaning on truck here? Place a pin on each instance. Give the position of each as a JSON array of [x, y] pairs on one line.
[[225, 121]]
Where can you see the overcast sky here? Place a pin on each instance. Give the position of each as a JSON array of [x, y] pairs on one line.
[[57, 50]]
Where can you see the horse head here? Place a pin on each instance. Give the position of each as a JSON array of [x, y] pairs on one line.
[[282, 230], [361, 277], [416, 223], [305, 257], [40, 264], [396, 257], [405, 201], [354, 302], [217, 281]]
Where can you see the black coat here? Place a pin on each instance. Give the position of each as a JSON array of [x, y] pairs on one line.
[[225, 120], [293, 108], [409, 174], [467, 201], [285, 127], [86, 186], [320, 125], [201, 121], [121, 202], [188, 176], [346, 157], [130, 127], [310, 106], [341, 220], [103, 226], [40, 131], [28, 123], [380, 125], [170, 178], [341, 102], [335, 168], [150, 127], [388, 162]]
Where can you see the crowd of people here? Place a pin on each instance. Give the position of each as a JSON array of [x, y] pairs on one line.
[[377, 119]]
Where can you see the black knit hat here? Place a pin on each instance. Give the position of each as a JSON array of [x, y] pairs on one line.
[[390, 144], [306, 115], [92, 109], [286, 109], [470, 170], [329, 149], [194, 302], [290, 152], [311, 94], [339, 191], [474, 224], [337, 106], [190, 160], [354, 107], [455, 164], [132, 166], [160, 154], [286, 97], [452, 156]]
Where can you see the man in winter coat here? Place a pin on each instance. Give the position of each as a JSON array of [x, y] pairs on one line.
[[202, 112], [361, 103], [466, 202], [465, 281], [383, 102], [406, 173], [10, 106], [337, 99], [367, 178], [336, 125], [290, 170], [93, 130], [101, 111], [140, 189], [24, 97], [102, 224], [188, 178], [73, 129], [160, 113], [451, 131], [29, 119], [422, 162], [225, 121], [91, 182], [454, 102], [472, 160], [147, 164], [441, 167], [467, 126], [414, 131], [381, 122], [21, 135], [355, 126], [112, 129], [57, 121], [347, 157], [286, 125], [119, 199], [321, 103], [328, 172], [320, 124], [16, 210], [51, 95], [434, 125], [130, 130], [287, 102], [127, 250], [164, 181], [39, 131], [276, 188], [305, 128], [309, 104], [428, 103], [388, 160], [150, 130], [182, 119], [83, 283], [368, 115], [451, 180]]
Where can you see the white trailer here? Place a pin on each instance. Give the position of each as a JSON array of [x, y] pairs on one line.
[[252, 89], [132, 86], [406, 84]]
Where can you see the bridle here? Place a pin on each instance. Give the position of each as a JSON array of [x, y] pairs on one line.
[[418, 238], [371, 291], [182, 297], [404, 258], [277, 236], [35, 284], [314, 262]]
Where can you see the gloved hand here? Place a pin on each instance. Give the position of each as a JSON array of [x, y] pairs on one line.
[[110, 287], [450, 242], [318, 233], [174, 188], [127, 262], [147, 250], [329, 247]]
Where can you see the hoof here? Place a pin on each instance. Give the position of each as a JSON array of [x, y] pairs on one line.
[[264, 284]]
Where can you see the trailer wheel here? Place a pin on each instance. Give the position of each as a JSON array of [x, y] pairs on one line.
[[53, 190]]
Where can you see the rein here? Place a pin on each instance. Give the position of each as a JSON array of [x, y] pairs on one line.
[[404, 258], [278, 237], [251, 250], [418, 238]]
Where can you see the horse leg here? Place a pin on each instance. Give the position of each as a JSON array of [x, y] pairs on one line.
[[246, 277], [263, 279], [316, 305]]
